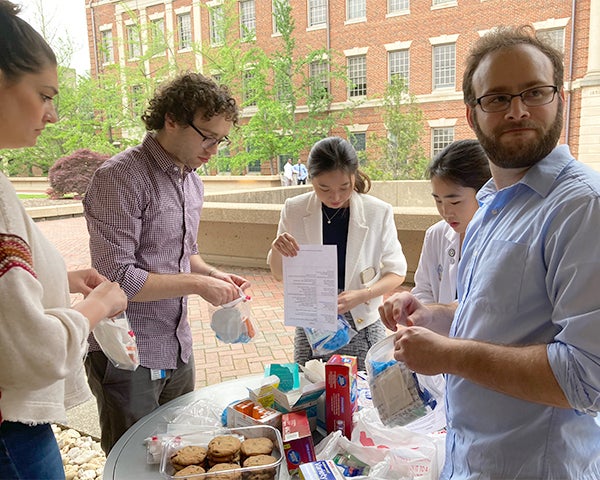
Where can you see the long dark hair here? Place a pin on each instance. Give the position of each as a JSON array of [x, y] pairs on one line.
[[22, 49], [335, 153], [462, 162]]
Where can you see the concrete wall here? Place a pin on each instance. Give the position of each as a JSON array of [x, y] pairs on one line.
[[237, 228]]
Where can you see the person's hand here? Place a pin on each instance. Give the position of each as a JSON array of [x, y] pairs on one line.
[[348, 299], [106, 300], [232, 278], [422, 350], [218, 291], [286, 245], [404, 309], [84, 281]]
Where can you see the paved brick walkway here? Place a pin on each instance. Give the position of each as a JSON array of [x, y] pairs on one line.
[[215, 361]]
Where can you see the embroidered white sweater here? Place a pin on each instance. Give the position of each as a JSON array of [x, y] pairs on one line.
[[43, 340]]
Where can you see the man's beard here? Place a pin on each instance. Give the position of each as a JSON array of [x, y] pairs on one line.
[[520, 154]]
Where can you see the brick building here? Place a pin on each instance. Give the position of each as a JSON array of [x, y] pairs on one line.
[[425, 41]]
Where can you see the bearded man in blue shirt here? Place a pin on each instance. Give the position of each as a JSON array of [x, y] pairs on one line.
[[521, 347]]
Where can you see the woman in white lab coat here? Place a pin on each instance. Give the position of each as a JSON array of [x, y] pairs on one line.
[[456, 174], [339, 212]]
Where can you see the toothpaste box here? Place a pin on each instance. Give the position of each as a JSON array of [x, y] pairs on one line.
[[321, 470], [340, 393], [298, 444]]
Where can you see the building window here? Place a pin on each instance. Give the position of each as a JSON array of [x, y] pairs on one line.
[[397, 6], [217, 25], [157, 36], [554, 36], [444, 66], [136, 101], [319, 78], [279, 9], [106, 46], [249, 93], [359, 141], [184, 31], [442, 2], [356, 9], [133, 42], [357, 75], [398, 65], [247, 20], [317, 12], [440, 139]]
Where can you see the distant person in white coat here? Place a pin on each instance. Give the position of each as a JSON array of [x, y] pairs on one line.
[[288, 173], [456, 174]]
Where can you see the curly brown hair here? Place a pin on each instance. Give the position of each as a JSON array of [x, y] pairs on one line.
[[506, 37], [184, 96]]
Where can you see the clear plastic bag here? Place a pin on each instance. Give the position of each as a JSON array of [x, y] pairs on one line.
[[232, 322], [323, 342], [400, 395], [117, 341]]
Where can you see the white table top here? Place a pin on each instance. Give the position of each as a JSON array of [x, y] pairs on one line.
[[127, 459]]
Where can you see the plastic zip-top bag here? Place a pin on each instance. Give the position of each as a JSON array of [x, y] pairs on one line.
[[232, 322], [117, 341], [399, 394]]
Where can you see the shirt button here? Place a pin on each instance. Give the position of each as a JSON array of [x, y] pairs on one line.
[[360, 320], [494, 212]]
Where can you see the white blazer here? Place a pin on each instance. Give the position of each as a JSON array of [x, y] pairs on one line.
[[436, 275], [373, 244]]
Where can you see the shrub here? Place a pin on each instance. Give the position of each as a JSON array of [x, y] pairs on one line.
[[72, 174]]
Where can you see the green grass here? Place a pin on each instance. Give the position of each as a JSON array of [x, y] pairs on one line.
[[32, 195]]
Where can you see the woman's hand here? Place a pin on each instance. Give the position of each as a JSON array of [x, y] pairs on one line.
[[286, 245], [84, 281]]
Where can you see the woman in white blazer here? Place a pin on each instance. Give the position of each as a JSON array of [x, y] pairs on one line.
[[456, 174], [338, 212]]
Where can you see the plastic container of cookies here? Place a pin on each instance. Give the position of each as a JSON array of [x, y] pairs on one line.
[[202, 437]]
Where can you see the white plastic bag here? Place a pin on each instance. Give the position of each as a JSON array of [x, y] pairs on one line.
[[117, 341], [408, 452]]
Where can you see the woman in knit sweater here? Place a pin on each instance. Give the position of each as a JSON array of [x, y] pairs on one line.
[[43, 338]]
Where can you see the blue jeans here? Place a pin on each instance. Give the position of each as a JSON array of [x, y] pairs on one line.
[[29, 453]]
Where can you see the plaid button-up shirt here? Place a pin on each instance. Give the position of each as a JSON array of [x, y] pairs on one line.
[[143, 215]]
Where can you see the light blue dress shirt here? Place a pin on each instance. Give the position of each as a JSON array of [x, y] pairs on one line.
[[530, 274]]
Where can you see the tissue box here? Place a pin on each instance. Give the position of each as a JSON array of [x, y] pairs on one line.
[[304, 398], [321, 470], [340, 393], [298, 446]]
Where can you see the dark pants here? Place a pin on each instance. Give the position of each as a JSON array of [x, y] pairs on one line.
[[29, 452], [123, 397], [302, 182]]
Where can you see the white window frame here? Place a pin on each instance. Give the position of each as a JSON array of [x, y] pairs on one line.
[[397, 7], [317, 13], [356, 10], [134, 42], [247, 19], [443, 133], [184, 31], [107, 51], [216, 15], [400, 66], [447, 42]]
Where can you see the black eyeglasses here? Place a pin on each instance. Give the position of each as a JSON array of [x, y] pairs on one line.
[[209, 142], [532, 97]]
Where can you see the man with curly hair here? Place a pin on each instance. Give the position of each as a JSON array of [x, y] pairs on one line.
[[143, 210]]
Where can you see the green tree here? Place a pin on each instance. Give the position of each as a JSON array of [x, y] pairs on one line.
[[287, 109], [400, 156]]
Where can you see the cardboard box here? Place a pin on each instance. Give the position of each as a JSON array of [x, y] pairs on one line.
[[321, 470], [340, 393], [247, 413], [297, 439], [304, 398]]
